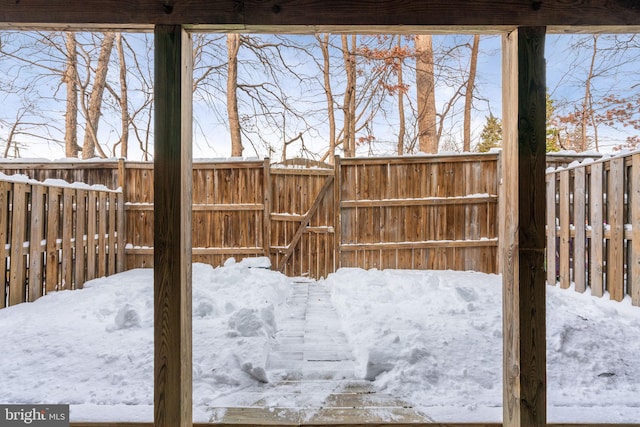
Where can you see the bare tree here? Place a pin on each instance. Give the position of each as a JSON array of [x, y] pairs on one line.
[[349, 103], [92, 110], [70, 79], [233, 46], [326, 79], [426, 99], [468, 95]]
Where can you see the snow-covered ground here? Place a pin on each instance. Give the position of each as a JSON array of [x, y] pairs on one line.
[[432, 338]]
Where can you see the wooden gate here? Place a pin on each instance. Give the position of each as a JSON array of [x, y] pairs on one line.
[[302, 233]]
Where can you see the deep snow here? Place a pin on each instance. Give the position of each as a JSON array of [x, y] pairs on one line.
[[433, 338]]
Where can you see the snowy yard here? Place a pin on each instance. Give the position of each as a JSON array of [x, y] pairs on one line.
[[432, 338]]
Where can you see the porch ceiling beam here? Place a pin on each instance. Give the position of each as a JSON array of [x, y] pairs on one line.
[[409, 16]]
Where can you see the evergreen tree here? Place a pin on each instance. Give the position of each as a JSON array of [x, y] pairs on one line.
[[553, 132], [491, 135]]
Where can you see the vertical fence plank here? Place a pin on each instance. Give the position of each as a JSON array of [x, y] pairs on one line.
[[53, 223], [67, 230], [337, 225], [102, 231], [91, 235], [565, 279], [579, 240], [596, 222], [111, 234], [615, 217], [81, 227], [5, 188], [551, 228], [635, 233], [266, 214], [35, 245], [121, 238], [17, 274]]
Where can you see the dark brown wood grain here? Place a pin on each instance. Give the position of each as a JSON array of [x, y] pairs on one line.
[[522, 235], [172, 231], [322, 15]]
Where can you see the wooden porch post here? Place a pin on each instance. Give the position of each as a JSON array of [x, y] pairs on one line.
[[522, 228], [172, 231]]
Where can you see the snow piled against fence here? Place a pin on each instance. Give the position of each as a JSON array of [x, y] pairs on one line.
[[433, 338], [93, 348]]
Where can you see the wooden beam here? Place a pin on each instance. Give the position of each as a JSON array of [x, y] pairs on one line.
[[306, 16], [522, 233], [172, 214]]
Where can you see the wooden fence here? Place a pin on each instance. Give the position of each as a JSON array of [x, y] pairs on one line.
[[595, 243], [426, 212], [56, 237]]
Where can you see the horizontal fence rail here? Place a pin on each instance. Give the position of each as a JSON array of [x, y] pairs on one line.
[[422, 212], [56, 236], [593, 227]]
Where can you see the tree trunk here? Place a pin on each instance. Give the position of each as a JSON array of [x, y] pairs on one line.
[[349, 142], [426, 100], [587, 111], [324, 47], [90, 144], [401, 118], [233, 46], [468, 96], [124, 101], [70, 78]]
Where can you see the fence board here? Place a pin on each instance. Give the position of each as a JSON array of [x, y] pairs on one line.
[[120, 240], [35, 243], [579, 241], [91, 235], [615, 255], [53, 223], [596, 224], [17, 288], [551, 229], [102, 231], [80, 242], [111, 234], [66, 258], [565, 279]]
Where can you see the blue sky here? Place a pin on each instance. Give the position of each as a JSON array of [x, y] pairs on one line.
[[566, 68]]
